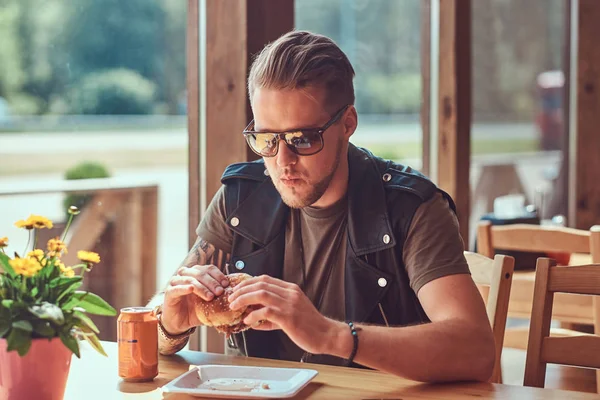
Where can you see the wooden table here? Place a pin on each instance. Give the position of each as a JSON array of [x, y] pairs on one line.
[[95, 377]]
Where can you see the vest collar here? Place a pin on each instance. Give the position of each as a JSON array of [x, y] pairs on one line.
[[262, 216]]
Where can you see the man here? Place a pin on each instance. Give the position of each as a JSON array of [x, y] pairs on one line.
[[355, 260]]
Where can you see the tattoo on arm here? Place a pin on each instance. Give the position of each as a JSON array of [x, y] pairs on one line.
[[204, 253]]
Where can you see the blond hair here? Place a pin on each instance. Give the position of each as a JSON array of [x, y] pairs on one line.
[[300, 59]]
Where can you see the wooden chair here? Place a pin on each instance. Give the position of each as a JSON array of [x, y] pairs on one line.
[[536, 238], [582, 350], [497, 275]]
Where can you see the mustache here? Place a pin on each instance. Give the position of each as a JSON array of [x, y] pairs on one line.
[[289, 173]]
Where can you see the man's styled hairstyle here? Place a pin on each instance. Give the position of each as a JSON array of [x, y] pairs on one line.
[[300, 59]]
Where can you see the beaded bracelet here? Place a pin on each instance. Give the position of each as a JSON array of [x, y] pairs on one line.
[[354, 333]]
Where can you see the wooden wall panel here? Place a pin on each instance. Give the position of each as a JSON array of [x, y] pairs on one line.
[[193, 111], [267, 20], [587, 147], [454, 105], [426, 84], [222, 37]]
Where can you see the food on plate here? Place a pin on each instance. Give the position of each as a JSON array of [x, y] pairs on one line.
[[216, 313]]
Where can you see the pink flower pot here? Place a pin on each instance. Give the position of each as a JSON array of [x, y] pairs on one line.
[[41, 374]]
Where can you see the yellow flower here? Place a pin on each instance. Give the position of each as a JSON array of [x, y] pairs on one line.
[[38, 254], [88, 257], [34, 221], [55, 247], [3, 241], [24, 224], [25, 266], [67, 271]]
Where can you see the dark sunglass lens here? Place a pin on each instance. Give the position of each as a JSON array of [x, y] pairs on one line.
[[263, 143], [304, 142]]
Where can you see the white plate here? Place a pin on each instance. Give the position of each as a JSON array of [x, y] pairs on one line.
[[230, 381]]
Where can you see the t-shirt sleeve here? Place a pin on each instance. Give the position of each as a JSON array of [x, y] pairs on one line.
[[433, 247], [213, 227]]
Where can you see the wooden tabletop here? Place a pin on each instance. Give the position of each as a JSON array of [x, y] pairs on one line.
[[95, 377]]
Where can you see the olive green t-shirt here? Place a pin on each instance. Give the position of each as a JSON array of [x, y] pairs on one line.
[[315, 248]]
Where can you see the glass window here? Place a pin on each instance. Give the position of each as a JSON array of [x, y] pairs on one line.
[[518, 131], [382, 39], [96, 89]]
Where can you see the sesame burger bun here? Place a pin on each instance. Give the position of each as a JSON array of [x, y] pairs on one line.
[[216, 313]]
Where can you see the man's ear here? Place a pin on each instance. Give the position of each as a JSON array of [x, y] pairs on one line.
[[350, 122]]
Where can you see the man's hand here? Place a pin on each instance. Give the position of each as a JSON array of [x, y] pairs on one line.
[[200, 275], [205, 281], [283, 306]]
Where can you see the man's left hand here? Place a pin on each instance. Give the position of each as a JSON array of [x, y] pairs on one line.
[[284, 306]]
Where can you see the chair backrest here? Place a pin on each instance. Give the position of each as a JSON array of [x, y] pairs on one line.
[[582, 350], [497, 275], [533, 238]]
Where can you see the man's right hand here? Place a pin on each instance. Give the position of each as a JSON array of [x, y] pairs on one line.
[[178, 310]]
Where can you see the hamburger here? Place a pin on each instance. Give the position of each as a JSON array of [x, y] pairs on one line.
[[216, 312]]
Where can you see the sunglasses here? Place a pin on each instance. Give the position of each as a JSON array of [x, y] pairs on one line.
[[304, 142]]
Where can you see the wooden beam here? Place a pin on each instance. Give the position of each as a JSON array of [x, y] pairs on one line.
[[224, 108], [454, 106], [193, 111], [149, 243], [267, 20], [426, 84], [587, 141]]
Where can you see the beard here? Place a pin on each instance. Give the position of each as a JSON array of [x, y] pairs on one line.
[[295, 198]]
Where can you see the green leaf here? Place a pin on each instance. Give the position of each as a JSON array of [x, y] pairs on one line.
[[94, 304], [19, 340], [63, 281], [43, 328], [4, 264], [48, 311], [95, 343], [7, 303], [69, 289], [71, 343], [5, 326], [72, 302], [23, 325], [86, 321]]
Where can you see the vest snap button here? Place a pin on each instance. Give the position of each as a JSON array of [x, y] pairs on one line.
[[387, 177], [266, 172], [382, 282], [239, 264], [386, 239], [235, 221]]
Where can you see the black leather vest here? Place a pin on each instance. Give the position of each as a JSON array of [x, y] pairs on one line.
[[382, 199]]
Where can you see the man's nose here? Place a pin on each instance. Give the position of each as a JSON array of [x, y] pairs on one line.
[[285, 156]]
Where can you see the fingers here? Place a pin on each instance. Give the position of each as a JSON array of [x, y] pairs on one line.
[[256, 286], [208, 275], [263, 319], [173, 292], [198, 288], [260, 293], [266, 279]]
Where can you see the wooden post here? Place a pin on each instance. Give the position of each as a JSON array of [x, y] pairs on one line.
[[127, 246], [267, 20], [454, 105], [149, 242], [193, 111], [426, 84], [585, 209]]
